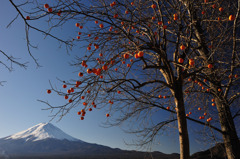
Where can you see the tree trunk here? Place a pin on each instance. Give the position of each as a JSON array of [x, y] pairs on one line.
[[182, 122], [231, 141], [230, 137]]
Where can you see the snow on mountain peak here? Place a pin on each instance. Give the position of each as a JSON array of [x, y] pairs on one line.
[[42, 131]]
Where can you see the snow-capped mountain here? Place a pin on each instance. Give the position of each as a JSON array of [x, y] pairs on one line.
[[40, 132], [47, 141]]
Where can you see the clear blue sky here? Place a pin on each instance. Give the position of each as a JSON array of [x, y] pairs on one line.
[[19, 108]]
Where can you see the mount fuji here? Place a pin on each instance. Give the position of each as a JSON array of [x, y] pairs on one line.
[[46, 141], [40, 132]]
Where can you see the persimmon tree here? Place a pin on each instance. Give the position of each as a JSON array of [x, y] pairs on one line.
[[8, 60], [141, 57], [217, 32]]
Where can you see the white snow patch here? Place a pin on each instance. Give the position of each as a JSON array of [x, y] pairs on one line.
[[42, 131]]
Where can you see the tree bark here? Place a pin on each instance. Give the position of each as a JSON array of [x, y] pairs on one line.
[[182, 122], [231, 141]]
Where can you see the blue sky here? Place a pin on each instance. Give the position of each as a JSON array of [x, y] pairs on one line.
[[19, 108]]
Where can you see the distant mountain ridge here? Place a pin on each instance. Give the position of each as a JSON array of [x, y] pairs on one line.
[[46, 141]]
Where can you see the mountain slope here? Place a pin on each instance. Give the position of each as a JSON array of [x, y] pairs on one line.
[[215, 152]]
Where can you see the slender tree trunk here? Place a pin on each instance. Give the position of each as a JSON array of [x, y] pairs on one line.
[[231, 141], [182, 122]]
